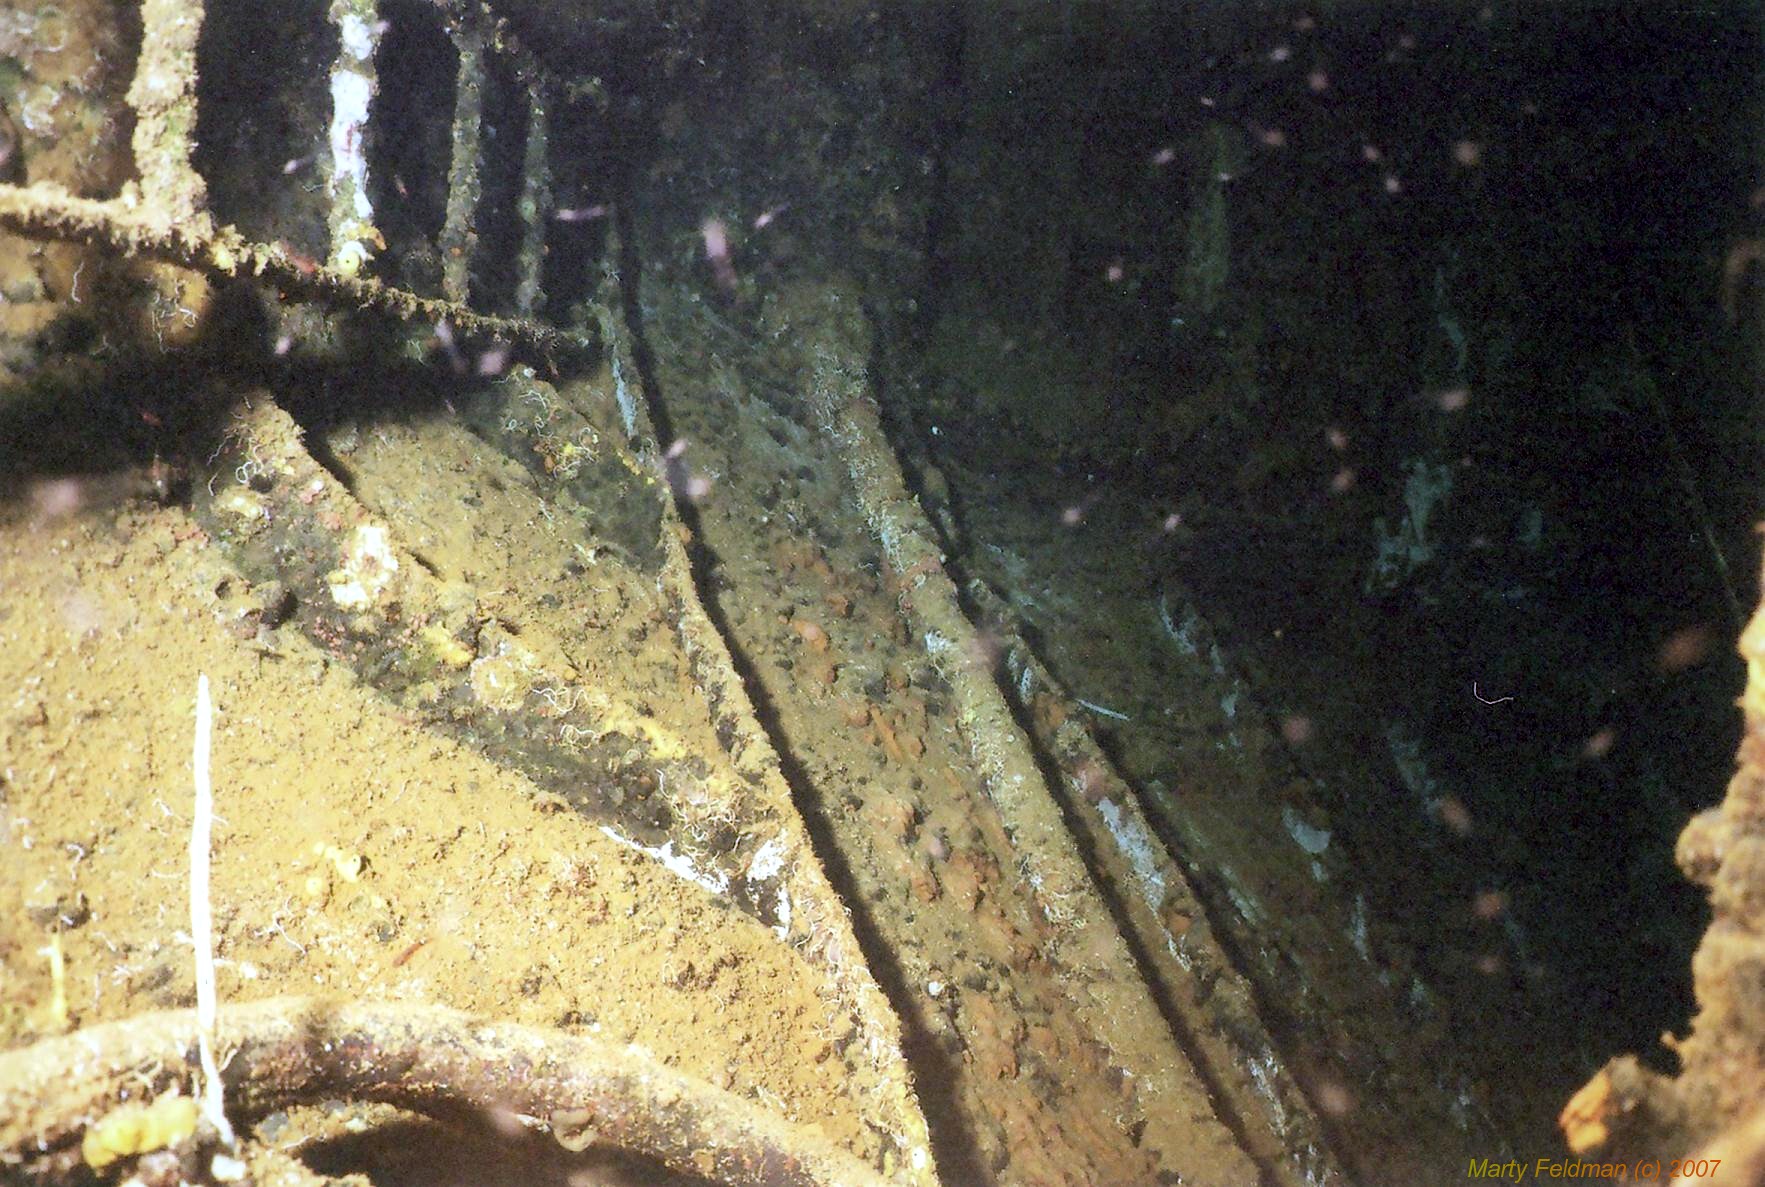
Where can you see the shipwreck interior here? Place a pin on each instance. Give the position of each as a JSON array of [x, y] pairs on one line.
[[1026, 593]]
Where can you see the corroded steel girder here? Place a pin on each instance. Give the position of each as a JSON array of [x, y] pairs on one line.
[[47, 212]]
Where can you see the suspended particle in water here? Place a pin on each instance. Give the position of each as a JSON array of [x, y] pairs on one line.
[[1684, 649], [1091, 781], [1453, 813], [716, 236], [80, 615], [1489, 904], [56, 498], [1333, 1098], [492, 361], [444, 334], [681, 479], [985, 650]]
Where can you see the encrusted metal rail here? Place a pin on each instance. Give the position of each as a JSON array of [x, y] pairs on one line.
[[43, 212]]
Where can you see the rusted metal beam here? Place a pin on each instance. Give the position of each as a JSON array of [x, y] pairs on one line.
[[500, 39], [47, 212], [163, 94], [300, 1050]]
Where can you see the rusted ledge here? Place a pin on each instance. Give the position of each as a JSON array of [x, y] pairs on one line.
[[422, 1057], [1103, 981], [48, 212], [817, 925], [1212, 1001]]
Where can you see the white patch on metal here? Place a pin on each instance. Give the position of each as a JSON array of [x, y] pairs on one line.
[[1357, 929], [678, 864], [1262, 1073], [1140, 847], [356, 36], [622, 393], [1313, 840], [767, 861], [1248, 907], [782, 929], [350, 94]]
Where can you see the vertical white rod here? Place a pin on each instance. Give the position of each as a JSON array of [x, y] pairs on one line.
[[201, 918]]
